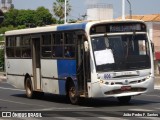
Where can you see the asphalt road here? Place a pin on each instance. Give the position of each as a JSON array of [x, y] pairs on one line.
[[146, 106]]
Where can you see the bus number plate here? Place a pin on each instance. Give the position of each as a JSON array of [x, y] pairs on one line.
[[125, 88]]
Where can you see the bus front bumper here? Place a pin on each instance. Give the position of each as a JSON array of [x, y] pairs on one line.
[[119, 90]]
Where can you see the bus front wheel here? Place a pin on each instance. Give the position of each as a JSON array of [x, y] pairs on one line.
[[72, 94], [29, 88]]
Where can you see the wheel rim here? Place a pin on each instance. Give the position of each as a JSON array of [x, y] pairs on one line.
[[72, 95], [28, 88]]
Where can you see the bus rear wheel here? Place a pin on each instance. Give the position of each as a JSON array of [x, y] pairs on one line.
[[72, 94], [124, 99], [29, 88]]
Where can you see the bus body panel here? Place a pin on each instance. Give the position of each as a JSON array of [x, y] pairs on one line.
[[31, 30], [49, 68], [79, 26], [50, 86], [48, 73], [141, 84], [55, 73], [16, 71], [146, 85], [66, 68]]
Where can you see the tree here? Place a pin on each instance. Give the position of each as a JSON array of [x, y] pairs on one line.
[[43, 16], [1, 59], [59, 8], [40, 16], [10, 18], [25, 16]]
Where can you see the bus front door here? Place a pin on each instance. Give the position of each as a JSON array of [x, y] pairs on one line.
[[83, 66], [36, 63]]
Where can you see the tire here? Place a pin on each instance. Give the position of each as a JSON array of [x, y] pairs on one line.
[[39, 94], [72, 94], [29, 88], [124, 100]]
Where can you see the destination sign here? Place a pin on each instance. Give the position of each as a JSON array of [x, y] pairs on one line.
[[124, 28], [118, 27]]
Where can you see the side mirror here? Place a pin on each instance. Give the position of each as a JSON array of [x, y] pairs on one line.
[[86, 46]]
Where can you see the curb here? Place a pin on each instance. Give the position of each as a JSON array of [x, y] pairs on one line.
[[157, 87]]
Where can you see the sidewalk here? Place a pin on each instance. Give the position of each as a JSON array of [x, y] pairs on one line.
[[157, 81]]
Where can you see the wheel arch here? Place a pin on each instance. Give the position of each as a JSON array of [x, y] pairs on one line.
[[69, 81]]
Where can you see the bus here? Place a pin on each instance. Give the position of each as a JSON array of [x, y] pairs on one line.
[[94, 59]]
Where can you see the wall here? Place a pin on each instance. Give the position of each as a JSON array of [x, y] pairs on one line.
[[100, 12], [154, 34]]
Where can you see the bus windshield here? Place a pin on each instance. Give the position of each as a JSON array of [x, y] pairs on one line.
[[121, 52]]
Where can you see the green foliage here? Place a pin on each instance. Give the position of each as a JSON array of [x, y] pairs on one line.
[[1, 59], [20, 19], [43, 17], [59, 8], [1, 39], [10, 18], [10, 27], [39, 17], [25, 16]]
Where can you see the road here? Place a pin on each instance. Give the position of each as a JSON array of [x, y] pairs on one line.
[[52, 106]]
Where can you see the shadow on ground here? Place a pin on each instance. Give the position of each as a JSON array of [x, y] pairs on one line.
[[101, 102]]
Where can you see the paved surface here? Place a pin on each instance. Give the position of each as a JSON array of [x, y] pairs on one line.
[[56, 108], [157, 81], [2, 76]]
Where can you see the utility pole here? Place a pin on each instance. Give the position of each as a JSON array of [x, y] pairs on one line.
[[130, 7], [123, 9]]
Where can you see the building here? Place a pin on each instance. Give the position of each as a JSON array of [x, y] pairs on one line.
[[6, 5], [100, 12], [153, 24]]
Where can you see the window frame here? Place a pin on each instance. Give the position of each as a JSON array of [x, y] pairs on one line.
[[55, 44], [18, 46]]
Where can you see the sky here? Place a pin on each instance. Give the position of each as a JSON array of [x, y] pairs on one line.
[[139, 7]]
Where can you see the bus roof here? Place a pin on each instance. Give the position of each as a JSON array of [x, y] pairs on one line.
[[44, 29], [70, 26]]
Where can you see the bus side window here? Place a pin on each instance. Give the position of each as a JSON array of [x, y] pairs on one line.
[[57, 45], [69, 44], [69, 51], [10, 43], [57, 51], [46, 45], [26, 46]]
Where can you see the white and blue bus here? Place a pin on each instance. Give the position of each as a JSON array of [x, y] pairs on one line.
[[91, 59]]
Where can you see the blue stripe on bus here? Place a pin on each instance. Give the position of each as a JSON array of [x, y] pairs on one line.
[[72, 26], [66, 68]]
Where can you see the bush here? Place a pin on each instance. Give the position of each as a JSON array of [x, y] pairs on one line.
[[1, 59]]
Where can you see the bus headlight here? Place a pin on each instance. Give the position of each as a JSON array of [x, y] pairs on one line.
[[104, 82], [148, 77]]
